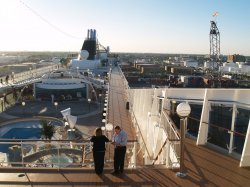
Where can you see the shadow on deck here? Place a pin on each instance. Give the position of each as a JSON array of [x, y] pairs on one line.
[[204, 167]]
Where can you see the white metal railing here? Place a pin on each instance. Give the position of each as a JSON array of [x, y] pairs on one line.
[[56, 154], [169, 151], [165, 151], [173, 141], [26, 76]]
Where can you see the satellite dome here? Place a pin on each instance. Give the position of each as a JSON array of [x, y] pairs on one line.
[[84, 54]]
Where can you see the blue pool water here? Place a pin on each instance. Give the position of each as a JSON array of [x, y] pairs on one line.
[[20, 133], [23, 133], [22, 130]]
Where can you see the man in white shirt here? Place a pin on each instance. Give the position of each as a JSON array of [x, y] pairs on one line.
[[120, 139]]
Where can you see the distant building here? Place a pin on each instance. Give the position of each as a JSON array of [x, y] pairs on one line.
[[182, 70], [150, 68], [238, 67], [140, 61], [210, 65], [191, 63], [236, 58]]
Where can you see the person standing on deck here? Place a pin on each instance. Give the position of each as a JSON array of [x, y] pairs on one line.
[[120, 139], [99, 141]]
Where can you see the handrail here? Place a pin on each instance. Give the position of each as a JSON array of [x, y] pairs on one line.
[[225, 129], [144, 143], [217, 126], [151, 158], [40, 154], [133, 115], [29, 74], [210, 100], [77, 142], [172, 125], [157, 156], [168, 139]]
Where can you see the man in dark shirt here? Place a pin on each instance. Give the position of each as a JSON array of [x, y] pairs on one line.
[[99, 141]]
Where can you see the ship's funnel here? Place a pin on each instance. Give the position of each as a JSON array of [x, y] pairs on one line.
[[88, 34], [91, 34], [94, 34], [89, 45]]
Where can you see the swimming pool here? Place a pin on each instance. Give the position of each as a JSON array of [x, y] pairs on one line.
[[59, 161], [28, 129]]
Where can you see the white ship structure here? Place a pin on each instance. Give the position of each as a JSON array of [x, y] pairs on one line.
[[77, 81]]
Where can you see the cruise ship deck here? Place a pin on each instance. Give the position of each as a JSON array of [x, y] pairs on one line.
[[204, 167]]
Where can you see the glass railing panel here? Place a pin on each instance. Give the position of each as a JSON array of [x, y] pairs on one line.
[[241, 126], [58, 154]]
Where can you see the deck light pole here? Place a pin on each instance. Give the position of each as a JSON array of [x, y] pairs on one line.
[[100, 101], [183, 110], [89, 100], [23, 104], [100, 98], [56, 105], [77, 71]]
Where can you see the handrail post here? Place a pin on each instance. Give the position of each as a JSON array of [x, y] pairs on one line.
[[134, 155], [22, 153], [58, 160], [182, 173]]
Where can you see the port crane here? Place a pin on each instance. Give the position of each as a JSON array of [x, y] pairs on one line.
[[214, 36]]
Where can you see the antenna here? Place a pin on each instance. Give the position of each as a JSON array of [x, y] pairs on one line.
[[215, 15]]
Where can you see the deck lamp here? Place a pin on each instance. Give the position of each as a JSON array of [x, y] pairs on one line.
[[23, 104], [56, 104], [103, 129], [183, 110], [100, 96], [109, 127], [89, 100]]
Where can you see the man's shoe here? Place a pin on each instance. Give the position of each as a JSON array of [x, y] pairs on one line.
[[115, 173]]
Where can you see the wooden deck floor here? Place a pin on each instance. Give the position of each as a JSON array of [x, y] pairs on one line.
[[118, 114], [204, 167]]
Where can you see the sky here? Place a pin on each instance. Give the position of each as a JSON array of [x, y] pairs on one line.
[[144, 26]]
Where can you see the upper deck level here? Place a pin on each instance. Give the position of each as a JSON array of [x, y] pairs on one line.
[[204, 166]]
